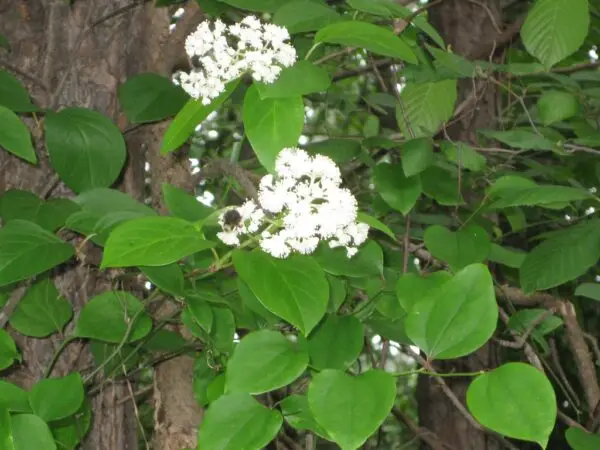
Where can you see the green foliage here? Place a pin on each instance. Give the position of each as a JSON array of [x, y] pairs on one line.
[[30, 431], [300, 16], [589, 290], [417, 155], [581, 440], [301, 79], [13, 398], [15, 137], [8, 350], [459, 249], [57, 398], [554, 106], [397, 190], [367, 262], [336, 343], [13, 95]]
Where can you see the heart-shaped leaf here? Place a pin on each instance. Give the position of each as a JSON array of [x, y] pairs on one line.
[[30, 431], [237, 421], [412, 287], [398, 191], [57, 398], [459, 249], [297, 414], [336, 343], [15, 137], [152, 241], [350, 409], [264, 361], [13, 398], [367, 262], [417, 155], [294, 289], [515, 400], [456, 318]]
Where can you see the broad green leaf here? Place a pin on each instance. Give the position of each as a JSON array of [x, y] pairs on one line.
[[336, 343], [554, 106], [463, 155], [13, 95], [582, 440], [15, 137], [168, 278], [508, 257], [301, 79], [412, 287], [237, 421], [223, 329], [339, 150], [149, 97], [41, 311], [198, 316], [183, 205], [555, 29], [522, 320], [165, 341], [69, 432], [589, 290], [13, 398], [376, 224], [458, 317], [392, 329], [417, 155], [398, 191], [300, 16], [351, 408], [373, 38], [294, 289], [515, 400], [113, 316], [26, 250], [115, 360], [104, 201], [152, 241], [264, 361], [367, 262], [254, 304], [458, 65], [8, 350], [297, 414], [522, 138], [31, 432], [425, 107], [203, 376], [568, 254], [188, 118], [441, 186], [272, 124], [460, 248], [6, 435], [255, 5], [57, 398], [86, 149], [216, 388]]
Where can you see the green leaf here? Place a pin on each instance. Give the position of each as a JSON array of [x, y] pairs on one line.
[[301, 79], [373, 38], [515, 400], [508, 257], [294, 289], [367, 262], [113, 316], [57, 398], [255, 5], [568, 254], [417, 155], [26, 250], [350, 409], [339, 150], [204, 375], [41, 311], [522, 138], [165, 341], [522, 320], [216, 388], [250, 300], [152, 241], [411, 287], [459, 249], [183, 205], [237, 421], [8, 350], [376, 224], [4, 42], [555, 29], [297, 414], [149, 97], [86, 149], [15, 137], [188, 118], [458, 317], [589, 290], [114, 360], [264, 361], [398, 191], [582, 440], [336, 343], [167, 278], [304, 15], [198, 316], [458, 65], [13, 95], [425, 107], [441, 186], [13, 398], [223, 329], [272, 124], [6, 436], [554, 106], [31, 432], [463, 155], [69, 432]]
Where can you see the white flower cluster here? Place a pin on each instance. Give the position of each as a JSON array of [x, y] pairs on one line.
[[220, 54], [299, 206]]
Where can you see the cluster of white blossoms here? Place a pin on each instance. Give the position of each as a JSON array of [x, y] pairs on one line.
[[220, 54], [298, 207]]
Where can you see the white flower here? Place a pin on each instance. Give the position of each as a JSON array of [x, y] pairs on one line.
[[221, 53], [276, 245]]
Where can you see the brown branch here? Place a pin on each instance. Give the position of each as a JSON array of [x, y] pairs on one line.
[[222, 167], [420, 433], [532, 357]]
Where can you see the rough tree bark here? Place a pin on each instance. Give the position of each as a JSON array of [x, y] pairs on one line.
[[465, 26], [77, 54]]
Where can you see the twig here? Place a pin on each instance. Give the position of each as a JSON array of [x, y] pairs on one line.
[[117, 12], [220, 167], [520, 340], [527, 348], [424, 435]]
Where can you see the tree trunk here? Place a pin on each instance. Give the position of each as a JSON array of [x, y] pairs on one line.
[[465, 27], [77, 54]]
